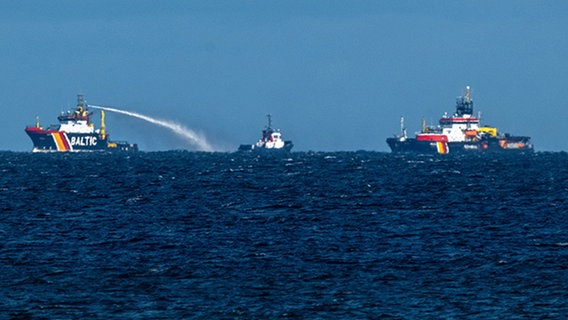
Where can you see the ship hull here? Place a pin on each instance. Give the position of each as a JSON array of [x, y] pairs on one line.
[[60, 141], [255, 149], [459, 133], [510, 145]]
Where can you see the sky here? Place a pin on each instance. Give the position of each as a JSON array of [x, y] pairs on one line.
[[334, 75]]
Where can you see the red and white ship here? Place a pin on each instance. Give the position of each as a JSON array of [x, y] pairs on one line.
[[270, 142], [74, 133], [459, 133]]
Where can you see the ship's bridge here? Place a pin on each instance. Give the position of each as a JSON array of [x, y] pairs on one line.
[[70, 122], [456, 126], [79, 126], [446, 121]]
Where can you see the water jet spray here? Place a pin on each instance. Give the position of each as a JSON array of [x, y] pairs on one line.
[[188, 134]]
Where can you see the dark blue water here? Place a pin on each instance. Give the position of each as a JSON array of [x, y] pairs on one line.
[[364, 235]]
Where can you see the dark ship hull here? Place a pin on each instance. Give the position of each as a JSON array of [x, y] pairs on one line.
[[58, 141], [288, 145], [412, 145]]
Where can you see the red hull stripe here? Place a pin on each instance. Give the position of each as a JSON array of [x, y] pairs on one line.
[[40, 131], [65, 141], [459, 120], [60, 141], [432, 137], [442, 147]]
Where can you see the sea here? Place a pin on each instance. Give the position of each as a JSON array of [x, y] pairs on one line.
[[305, 235]]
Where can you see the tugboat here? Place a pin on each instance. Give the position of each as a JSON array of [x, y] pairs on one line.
[[271, 141], [459, 133], [75, 133]]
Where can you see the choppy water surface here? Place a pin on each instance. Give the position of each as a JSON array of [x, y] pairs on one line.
[[306, 236]]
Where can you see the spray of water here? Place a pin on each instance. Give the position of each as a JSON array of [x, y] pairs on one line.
[[188, 134]]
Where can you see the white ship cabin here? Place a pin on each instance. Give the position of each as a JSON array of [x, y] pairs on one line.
[[462, 125], [77, 121], [76, 126], [273, 141], [456, 128]]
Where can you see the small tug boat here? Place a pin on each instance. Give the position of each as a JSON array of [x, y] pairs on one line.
[[75, 133], [271, 141], [459, 133]]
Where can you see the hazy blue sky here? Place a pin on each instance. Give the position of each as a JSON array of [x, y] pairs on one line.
[[335, 75]]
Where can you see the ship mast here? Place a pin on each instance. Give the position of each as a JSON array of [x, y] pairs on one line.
[[464, 105], [80, 100]]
